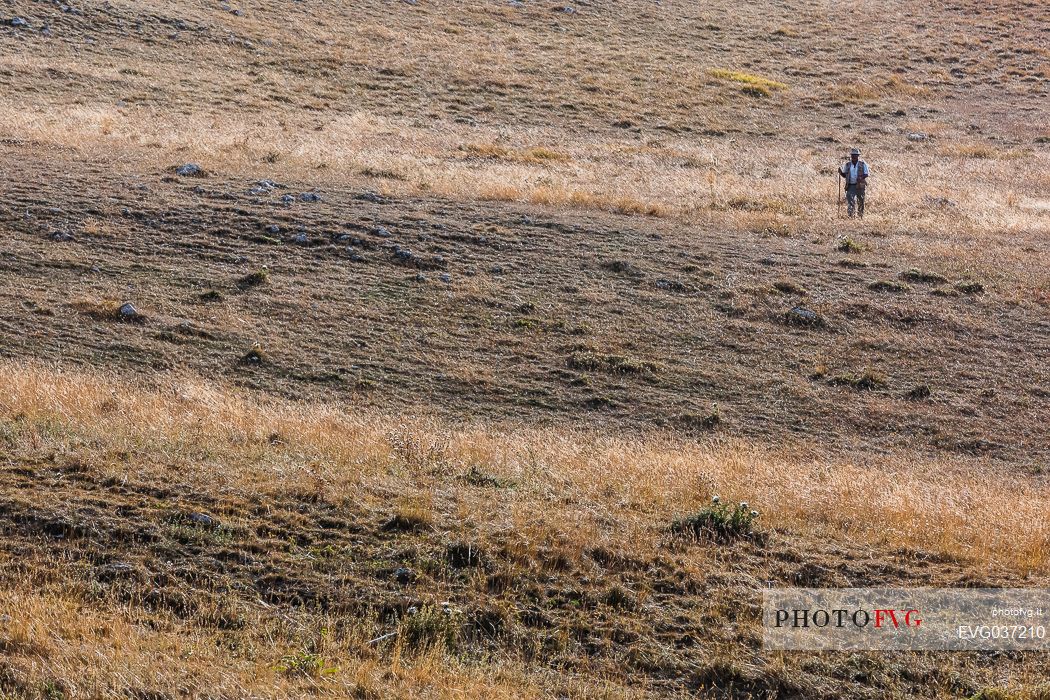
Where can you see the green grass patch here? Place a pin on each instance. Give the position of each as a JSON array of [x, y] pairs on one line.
[[253, 279], [848, 245], [718, 521]]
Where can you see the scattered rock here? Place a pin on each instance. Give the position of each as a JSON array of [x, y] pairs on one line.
[[273, 228], [801, 316], [445, 277], [356, 257], [918, 136], [300, 239], [403, 575], [309, 197], [287, 199], [370, 197], [189, 170], [18, 22], [62, 237], [381, 231], [673, 286], [202, 519], [128, 312], [263, 187]]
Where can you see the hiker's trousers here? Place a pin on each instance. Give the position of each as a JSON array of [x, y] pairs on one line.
[[854, 200]]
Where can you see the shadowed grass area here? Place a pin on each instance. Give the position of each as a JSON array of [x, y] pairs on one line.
[[219, 541]]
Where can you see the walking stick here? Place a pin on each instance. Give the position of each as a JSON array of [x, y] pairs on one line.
[[838, 190]]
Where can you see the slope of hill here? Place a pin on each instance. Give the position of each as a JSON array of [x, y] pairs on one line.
[[464, 305]]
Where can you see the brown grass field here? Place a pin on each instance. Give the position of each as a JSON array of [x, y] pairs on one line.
[[427, 433]]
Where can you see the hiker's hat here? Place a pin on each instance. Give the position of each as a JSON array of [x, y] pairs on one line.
[[855, 152]]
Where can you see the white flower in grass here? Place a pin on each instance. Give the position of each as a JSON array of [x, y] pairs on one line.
[[743, 505], [714, 499], [754, 514]]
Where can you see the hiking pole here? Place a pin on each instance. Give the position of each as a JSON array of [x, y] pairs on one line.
[[838, 190]]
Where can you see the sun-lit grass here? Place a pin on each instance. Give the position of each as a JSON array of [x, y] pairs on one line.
[[674, 177], [608, 111], [224, 439], [56, 643], [764, 86]]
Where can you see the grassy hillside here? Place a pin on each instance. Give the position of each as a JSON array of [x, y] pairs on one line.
[[468, 304]]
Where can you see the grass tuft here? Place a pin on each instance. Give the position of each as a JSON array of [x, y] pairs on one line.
[[761, 86], [616, 364], [719, 521], [254, 279]]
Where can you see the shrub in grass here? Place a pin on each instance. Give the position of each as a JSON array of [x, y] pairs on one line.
[[786, 286], [922, 276], [888, 286], [253, 279], [919, 393], [255, 356], [869, 380], [615, 364], [848, 245], [431, 626], [304, 663], [718, 521]]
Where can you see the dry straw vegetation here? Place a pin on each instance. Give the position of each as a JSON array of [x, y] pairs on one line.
[[578, 488], [550, 500], [472, 308]]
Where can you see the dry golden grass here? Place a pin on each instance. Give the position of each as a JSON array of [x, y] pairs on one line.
[[402, 99], [72, 650], [723, 116], [571, 485], [994, 214], [569, 492]]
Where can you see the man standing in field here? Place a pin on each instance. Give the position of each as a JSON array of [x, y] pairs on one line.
[[855, 172]]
